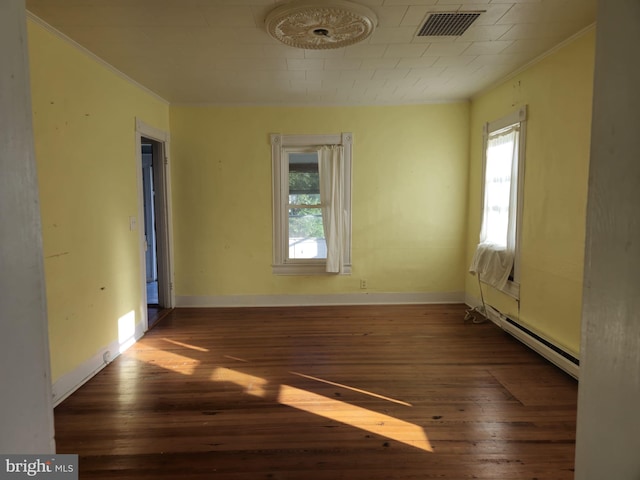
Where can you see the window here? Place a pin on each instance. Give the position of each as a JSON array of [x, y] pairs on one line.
[[496, 260], [311, 204]]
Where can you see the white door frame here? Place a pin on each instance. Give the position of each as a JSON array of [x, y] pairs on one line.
[[164, 223]]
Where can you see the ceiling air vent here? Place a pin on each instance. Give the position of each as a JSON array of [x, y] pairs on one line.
[[447, 24]]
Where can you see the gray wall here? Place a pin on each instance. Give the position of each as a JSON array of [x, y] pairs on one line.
[[608, 441], [26, 413]]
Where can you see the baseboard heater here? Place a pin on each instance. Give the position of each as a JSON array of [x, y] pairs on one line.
[[548, 350]]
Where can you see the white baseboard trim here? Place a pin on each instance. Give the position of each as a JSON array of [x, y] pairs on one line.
[[316, 300], [530, 341], [73, 380]]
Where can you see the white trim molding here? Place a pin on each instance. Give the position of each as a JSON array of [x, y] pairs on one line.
[[152, 132], [539, 345], [68, 383], [281, 145], [164, 219], [518, 116], [317, 300]]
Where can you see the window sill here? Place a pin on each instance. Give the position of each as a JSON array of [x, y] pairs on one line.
[[306, 269]]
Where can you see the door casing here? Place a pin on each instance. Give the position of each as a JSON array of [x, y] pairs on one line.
[[164, 237]]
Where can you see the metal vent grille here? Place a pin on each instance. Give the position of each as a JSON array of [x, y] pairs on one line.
[[447, 24]]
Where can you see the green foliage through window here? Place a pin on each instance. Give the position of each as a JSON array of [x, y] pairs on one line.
[[304, 182], [305, 223]]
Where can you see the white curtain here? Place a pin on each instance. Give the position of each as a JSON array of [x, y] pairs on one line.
[[493, 260], [330, 160]]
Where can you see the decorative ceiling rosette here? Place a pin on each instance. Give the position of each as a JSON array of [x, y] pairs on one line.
[[321, 25]]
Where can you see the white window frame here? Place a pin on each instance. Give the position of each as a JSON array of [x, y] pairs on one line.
[[512, 287], [280, 146]]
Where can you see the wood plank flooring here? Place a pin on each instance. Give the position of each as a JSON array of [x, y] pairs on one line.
[[358, 393]]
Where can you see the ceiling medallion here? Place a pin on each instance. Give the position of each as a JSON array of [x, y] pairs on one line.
[[321, 24]]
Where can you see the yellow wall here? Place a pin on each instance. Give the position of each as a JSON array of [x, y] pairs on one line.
[[84, 122], [409, 198], [558, 93]]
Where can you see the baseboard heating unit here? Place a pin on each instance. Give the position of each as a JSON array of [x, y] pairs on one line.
[[548, 350]]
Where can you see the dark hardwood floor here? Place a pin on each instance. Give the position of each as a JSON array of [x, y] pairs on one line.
[[358, 393], [155, 314]]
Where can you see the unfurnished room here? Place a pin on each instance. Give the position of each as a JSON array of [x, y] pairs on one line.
[[368, 239]]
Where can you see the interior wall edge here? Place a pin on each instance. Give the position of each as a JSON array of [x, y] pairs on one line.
[[26, 415], [93, 56], [535, 61], [319, 300]]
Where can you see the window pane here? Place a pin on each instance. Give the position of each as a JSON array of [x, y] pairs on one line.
[[306, 233], [500, 158], [304, 179], [304, 199]]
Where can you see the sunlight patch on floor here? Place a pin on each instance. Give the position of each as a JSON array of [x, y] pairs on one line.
[[340, 411], [169, 360], [365, 392], [185, 345], [358, 417], [237, 359], [252, 385]]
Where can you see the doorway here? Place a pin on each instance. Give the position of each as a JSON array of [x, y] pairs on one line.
[[150, 237], [154, 226]]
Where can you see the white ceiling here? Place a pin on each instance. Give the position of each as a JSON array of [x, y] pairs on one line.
[[218, 51]]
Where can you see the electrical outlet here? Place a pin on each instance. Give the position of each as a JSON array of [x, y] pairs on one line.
[[363, 284]]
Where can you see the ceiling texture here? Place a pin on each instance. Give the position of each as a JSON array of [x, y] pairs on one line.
[[219, 51]]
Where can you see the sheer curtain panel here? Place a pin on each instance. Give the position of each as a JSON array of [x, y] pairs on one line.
[[330, 163]]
